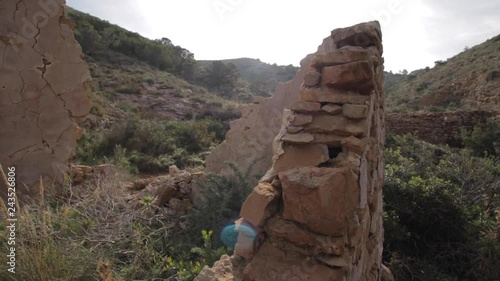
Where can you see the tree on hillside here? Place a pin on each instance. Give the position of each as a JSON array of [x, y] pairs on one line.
[[221, 74]]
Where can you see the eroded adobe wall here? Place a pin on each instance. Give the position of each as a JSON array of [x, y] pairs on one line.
[[317, 213], [42, 90]]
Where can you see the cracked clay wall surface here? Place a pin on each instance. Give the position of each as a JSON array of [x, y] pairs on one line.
[[42, 90]]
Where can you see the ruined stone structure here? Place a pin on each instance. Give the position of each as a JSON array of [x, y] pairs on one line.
[[317, 213], [42, 90], [436, 127], [250, 137]]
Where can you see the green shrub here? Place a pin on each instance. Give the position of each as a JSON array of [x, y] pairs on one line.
[[149, 145], [484, 139], [439, 210], [223, 196], [206, 256]]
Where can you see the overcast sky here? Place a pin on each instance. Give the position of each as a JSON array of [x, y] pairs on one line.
[[415, 32]]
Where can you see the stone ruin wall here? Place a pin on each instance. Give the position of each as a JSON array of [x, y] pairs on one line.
[[317, 213], [437, 127], [42, 91], [249, 139]]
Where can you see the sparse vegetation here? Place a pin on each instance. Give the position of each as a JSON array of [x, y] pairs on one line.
[[91, 233], [465, 79], [150, 146]]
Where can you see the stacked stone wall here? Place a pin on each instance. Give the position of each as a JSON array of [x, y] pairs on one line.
[[317, 213]]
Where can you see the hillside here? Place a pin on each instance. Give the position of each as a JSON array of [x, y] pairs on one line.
[[142, 106], [262, 77], [467, 81]]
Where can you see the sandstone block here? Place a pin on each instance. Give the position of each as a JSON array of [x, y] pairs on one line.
[[353, 144], [312, 78], [328, 139], [259, 205], [293, 129], [314, 197], [344, 55], [305, 106], [165, 193], [301, 156], [141, 184], [386, 274], [300, 138], [355, 111], [354, 75], [272, 264], [292, 232], [332, 95], [337, 124], [301, 120], [332, 261], [362, 35], [332, 109]]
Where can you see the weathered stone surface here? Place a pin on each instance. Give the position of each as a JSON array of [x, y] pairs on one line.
[[355, 111], [292, 232], [305, 106], [354, 75], [353, 144], [226, 269], [436, 127], [165, 193], [42, 92], [362, 35], [312, 78], [301, 156], [301, 120], [258, 206], [314, 197], [344, 55], [386, 274], [272, 264], [328, 139], [329, 222], [337, 124], [140, 184], [300, 138], [332, 261], [332, 109], [294, 130], [325, 94]]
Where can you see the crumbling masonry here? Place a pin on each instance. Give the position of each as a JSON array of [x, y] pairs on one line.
[[317, 212]]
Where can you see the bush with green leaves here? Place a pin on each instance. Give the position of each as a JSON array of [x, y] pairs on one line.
[[144, 145], [439, 215], [484, 139], [223, 195], [206, 256]]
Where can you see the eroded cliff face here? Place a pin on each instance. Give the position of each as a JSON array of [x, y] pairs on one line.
[[42, 90], [317, 213]]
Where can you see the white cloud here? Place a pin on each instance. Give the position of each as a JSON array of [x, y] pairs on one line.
[[416, 32]]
